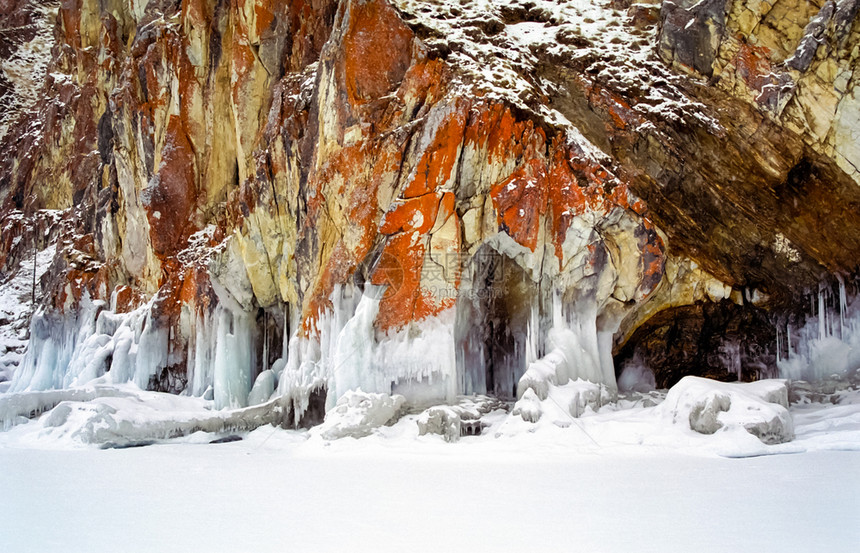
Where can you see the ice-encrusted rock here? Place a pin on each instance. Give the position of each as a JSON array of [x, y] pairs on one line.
[[122, 416], [19, 407], [528, 406], [708, 406], [582, 395], [447, 420], [540, 376], [572, 375], [442, 420], [358, 414], [572, 399]]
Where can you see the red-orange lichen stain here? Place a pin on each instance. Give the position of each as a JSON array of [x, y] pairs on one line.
[[520, 200], [170, 197], [377, 50], [753, 65]]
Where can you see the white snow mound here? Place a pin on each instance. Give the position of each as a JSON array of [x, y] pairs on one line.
[[358, 414], [708, 406]]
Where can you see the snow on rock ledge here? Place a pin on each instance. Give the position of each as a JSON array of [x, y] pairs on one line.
[[358, 413], [708, 406]]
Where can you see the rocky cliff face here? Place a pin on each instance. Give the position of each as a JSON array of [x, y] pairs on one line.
[[417, 196]]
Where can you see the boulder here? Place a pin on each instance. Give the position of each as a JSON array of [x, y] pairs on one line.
[[358, 414], [708, 406]]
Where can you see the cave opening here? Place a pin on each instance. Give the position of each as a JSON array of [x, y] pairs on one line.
[[718, 340], [492, 325], [271, 328]]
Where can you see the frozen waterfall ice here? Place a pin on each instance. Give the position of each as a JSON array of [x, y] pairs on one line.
[[827, 342]]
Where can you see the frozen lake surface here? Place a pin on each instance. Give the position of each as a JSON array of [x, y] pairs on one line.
[[280, 490]]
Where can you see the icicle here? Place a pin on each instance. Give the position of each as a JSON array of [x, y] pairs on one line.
[[557, 318], [265, 364], [843, 306], [533, 334], [824, 345], [286, 342], [777, 346], [737, 362], [822, 316]]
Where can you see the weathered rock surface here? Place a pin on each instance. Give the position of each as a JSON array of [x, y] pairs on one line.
[[795, 60], [233, 175]]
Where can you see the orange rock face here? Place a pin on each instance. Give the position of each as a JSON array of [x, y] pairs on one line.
[[435, 166], [171, 197], [377, 48], [520, 201]]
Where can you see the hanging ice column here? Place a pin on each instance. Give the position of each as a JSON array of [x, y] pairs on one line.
[[562, 306], [353, 351], [201, 351], [73, 349], [415, 361], [234, 352], [346, 352], [577, 348]]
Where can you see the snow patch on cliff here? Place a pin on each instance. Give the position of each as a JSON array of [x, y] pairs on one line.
[[26, 69], [505, 49]]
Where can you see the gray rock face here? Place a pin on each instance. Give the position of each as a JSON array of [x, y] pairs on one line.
[[691, 31], [704, 418]]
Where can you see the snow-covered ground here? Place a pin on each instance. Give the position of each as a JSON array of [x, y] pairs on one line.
[[279, 495], [624, 478]]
